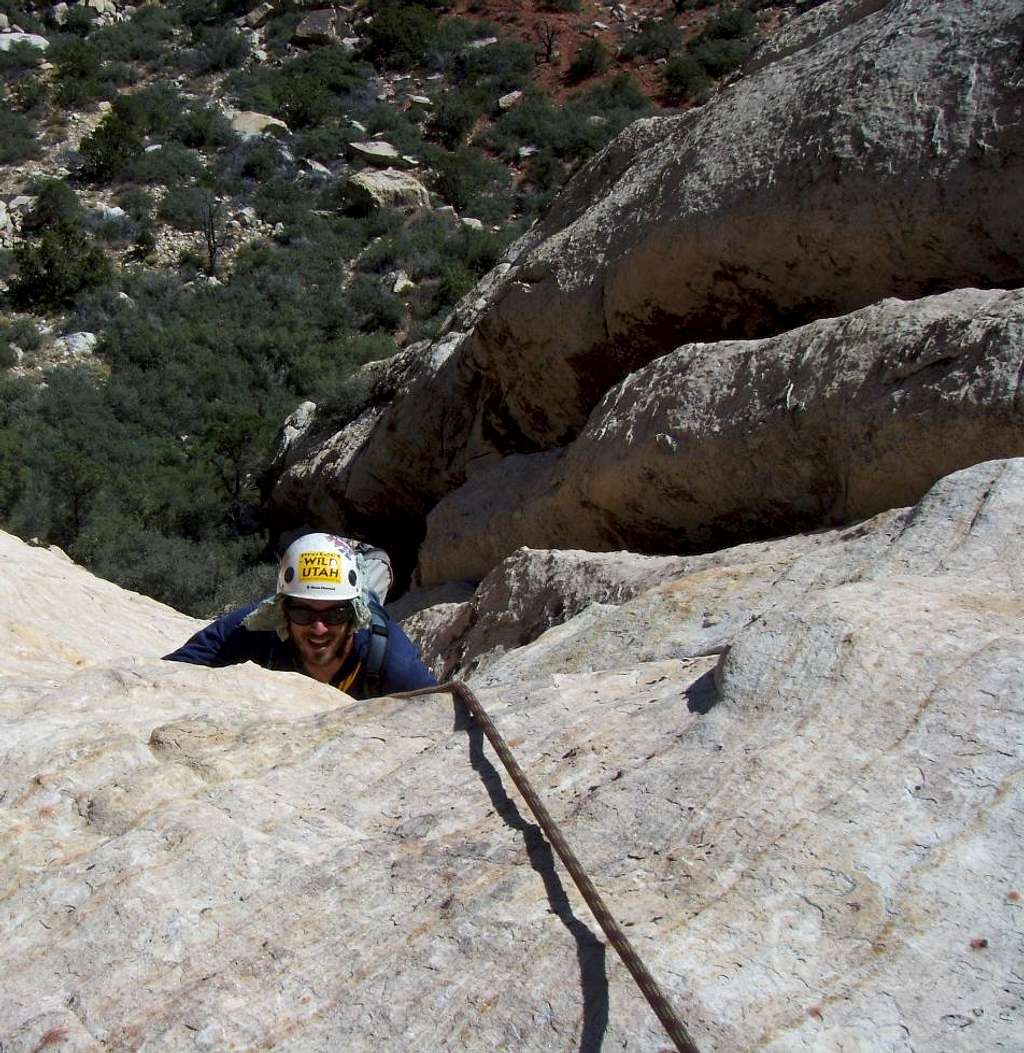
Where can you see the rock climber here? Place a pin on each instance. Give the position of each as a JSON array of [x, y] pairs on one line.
[[324, 620]]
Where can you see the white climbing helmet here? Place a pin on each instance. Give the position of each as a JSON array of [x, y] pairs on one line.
[[320, 567]]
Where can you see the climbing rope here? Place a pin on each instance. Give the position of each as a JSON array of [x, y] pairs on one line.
[[645, 981]]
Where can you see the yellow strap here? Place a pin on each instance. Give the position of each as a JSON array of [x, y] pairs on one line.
[[344, 685]]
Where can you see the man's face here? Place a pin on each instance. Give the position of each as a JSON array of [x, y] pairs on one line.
[[321, 648]]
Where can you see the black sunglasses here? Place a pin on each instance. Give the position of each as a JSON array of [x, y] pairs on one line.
[[329, 615]]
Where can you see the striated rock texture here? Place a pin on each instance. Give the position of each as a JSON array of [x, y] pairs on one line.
[[715, 443], [811, 827], [881, 154]]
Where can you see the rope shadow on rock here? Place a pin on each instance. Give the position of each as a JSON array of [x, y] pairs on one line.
[[590, 951]]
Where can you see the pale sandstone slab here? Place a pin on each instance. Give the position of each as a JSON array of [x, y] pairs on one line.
[[816, 846]]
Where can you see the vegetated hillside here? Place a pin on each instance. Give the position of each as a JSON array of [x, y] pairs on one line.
[[184, 257]]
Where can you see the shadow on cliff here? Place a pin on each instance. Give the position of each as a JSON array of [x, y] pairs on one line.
[[590, 951]]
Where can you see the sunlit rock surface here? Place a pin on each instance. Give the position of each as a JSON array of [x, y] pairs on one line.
[[808, 818]]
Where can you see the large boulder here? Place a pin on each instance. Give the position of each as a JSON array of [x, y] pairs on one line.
[[886, 160], [883, 158], [525, 595], [810, 830], [716, 443], [378, 153], [325, 26], [8, 40], [249, 122], [372, 191]]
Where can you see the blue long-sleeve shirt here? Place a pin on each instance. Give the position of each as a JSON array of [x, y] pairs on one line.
[[228, 642]]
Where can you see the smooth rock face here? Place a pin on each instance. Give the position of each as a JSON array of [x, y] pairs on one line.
[[886, 160], [716, 443], [388, 189], [811, 832], [54, 614]]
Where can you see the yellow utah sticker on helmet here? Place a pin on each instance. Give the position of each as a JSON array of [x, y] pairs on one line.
[[320, 566]]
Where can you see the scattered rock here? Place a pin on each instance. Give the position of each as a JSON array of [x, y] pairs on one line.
[[258, 15], [483, 42], [527, 151], [320, 27], [247, 217], [387, 189], [8, 40], [316, 168], [375, 152], [248, 122], [472, 224], [401, 283], [109, 211], [76, 345], [506, 102], [295, 427]]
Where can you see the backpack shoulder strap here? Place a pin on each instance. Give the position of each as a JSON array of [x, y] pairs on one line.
[[376, 652]]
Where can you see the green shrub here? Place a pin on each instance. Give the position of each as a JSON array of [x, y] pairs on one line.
[[183, 207], [568, 133], [138, 203], [110, 149], [55, 203], [725, 41], [150, 111], [685, 77], [24, 333], [462, 176], [281, 200], [140, 38], [79, 74], [17, 138], [7, 359], [116, 231], [591, 59], [279, 32], [373, 307], [654, 41], [167, 166], [453, 118], [497, 68], [398, 37], [392, 124], [306, 91], [217, 48], [79, 20], [731, 23], [560, 5], [29, 95], [320, 144], [19, 58], [51, 274], [719, 56], [22, 14], [203, 127]]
